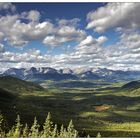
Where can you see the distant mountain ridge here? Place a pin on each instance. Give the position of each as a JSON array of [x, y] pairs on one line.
[[48, 73]]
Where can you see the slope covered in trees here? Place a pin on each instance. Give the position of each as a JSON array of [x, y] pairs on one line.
[[16, 85], [47, 130]]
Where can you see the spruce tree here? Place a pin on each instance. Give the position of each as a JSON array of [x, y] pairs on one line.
[[25, 131], [71, 131], [34, 131], [47, 127], [11, 132], [65, 134], [17, 128], [75, 134], [55, 132], [2, 131], [61, 131]]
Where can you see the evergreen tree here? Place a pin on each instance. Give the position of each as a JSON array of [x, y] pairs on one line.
[[55, 132], [75, 134], [65, 134], [17, 128], [47, 127], [98, 135], [62, 131], [34, 131], [2, 131], [25, 131], [71, 131], [11, 132]]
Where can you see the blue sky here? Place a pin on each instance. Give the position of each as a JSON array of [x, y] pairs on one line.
[[70, 35]]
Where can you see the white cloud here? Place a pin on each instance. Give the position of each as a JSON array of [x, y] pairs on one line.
[[18, 33], [102, 39], [90, 41], [53, 41], [89, 52], [32, 15], [124, 55], [114, 15], [29, 56], [7, 6], [66, 31], [63, 35], [71, 22]]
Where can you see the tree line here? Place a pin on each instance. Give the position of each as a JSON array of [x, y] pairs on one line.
[[49, 129]]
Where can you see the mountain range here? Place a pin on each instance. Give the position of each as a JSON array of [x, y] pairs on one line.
[[47, 73]]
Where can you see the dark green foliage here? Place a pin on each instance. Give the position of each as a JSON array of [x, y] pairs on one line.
[[10, 134], [49, 130], [55, 132], [2, 126], [131, 85], [1, 121], [17, 86], [16, 129], [34, 129], [47, 127], [25, 131], [71, 131], [62, 131]]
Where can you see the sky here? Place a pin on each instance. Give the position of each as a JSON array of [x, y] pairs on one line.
[[70, 35]]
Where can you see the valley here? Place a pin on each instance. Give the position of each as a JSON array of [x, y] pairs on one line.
[[111, 108]]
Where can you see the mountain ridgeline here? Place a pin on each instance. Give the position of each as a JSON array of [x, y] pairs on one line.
[[47, 73]]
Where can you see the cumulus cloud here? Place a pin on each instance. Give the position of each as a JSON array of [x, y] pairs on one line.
[[53, 41], [89, 51], [32, 15], [32, 56], [64, 34], [123, 55], [71, 22], [19, 33], [114, 15], [102, 39], [7, 6], [90, 41]]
